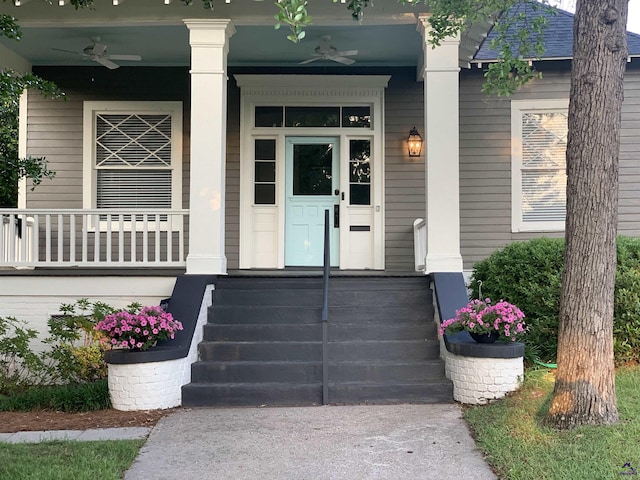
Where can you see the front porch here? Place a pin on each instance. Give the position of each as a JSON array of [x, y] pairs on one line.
[[72, 240]]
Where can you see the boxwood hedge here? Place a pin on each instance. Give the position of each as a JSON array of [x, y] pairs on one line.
[[528, 274]]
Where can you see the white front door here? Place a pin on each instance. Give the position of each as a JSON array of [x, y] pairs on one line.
[[312, 186]]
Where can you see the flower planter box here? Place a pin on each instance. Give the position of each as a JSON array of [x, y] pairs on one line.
[[482, 372], [153, 379]]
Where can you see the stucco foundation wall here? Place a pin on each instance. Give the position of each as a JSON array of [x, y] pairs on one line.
[[34, 299]]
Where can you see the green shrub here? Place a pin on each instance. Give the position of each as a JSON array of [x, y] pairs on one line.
[[73, 397], [19, 365], [76, 353], [528, 274]]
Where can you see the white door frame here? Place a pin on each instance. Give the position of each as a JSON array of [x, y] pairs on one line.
[[262, 226]]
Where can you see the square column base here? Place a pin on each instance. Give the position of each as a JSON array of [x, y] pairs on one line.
[[443, 263], [205, 264]]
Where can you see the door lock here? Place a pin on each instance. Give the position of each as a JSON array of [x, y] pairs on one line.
[[336, 192]]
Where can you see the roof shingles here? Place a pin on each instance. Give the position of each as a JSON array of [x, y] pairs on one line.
[[558, 35]]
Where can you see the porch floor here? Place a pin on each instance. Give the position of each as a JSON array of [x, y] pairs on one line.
[[174, 272]]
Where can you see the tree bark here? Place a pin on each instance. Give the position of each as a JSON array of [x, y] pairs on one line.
[[585, 380]]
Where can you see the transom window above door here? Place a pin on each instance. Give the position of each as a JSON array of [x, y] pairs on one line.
[[308, 116]]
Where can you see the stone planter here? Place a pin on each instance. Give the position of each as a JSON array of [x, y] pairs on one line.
[[482, 372], [153, 379], [147, 386]]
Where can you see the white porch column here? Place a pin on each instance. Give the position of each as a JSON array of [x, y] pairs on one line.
[[209, 40], [442, 153]]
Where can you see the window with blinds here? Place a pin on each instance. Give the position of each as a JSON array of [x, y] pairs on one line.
[[544, 177], [539, 165], [133, 161]]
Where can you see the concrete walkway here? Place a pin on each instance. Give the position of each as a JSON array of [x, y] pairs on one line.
[[390, 442]]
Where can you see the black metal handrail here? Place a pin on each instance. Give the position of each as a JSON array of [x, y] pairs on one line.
[[325, 311]]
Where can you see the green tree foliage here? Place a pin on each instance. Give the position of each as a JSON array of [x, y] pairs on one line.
[[12, 84]]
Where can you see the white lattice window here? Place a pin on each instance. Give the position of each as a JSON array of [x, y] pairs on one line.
[[133, 155], [539, 179]]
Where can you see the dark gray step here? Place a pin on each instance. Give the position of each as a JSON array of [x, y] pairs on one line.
[[387, 314], [386, 371], [232, 394], [343, 283], [437, 391], [279, 332], [260, 351], [310, 372], [239, 314], [313, 298], [313, 332], [365, 314], [256, 372], [406, 350], [312, 351]]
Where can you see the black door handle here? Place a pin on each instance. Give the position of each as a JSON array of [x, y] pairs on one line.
[[336, 216]]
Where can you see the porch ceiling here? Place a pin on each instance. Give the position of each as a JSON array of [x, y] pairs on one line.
[[387, 36]]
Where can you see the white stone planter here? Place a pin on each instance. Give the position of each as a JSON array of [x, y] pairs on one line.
[[482, 372], [153, 379], [147, 386], [477, 381]]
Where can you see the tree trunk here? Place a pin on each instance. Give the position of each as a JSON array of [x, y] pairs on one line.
[[585, 380]]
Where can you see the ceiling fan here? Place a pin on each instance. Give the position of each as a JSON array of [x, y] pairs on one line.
[[98, 53], [326, 51]]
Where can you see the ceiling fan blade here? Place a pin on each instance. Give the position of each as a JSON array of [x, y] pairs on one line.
[[343, 60], [66, 51], [131, 58], [105, 61], [347, 53], [310, 60]]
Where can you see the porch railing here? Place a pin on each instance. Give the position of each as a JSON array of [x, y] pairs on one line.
[[420, 243], [93, 238]]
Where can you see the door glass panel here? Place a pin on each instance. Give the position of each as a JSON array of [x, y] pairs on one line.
[[312, 116], [265, 149], [265, 193], [360, 172], [265, 172], [360, 194], [312, 169]]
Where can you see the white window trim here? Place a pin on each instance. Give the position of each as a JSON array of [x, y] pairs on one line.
[[518, 107], [91, 109]]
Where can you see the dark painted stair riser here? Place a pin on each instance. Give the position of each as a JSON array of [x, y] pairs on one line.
[[262, 345]]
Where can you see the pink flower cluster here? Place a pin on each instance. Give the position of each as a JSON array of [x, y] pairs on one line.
[[138, 330], [480, 316]]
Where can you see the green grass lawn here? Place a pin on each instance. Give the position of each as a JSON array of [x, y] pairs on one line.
[[65, 460], [515, 443]]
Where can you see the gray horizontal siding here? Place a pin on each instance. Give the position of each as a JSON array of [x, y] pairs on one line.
[[404, 177], [485, 162]]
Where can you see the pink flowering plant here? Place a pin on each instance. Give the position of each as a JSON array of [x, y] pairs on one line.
[[483, 317], [138, 329]]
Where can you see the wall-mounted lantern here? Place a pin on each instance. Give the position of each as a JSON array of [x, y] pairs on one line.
[[414, 142]]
